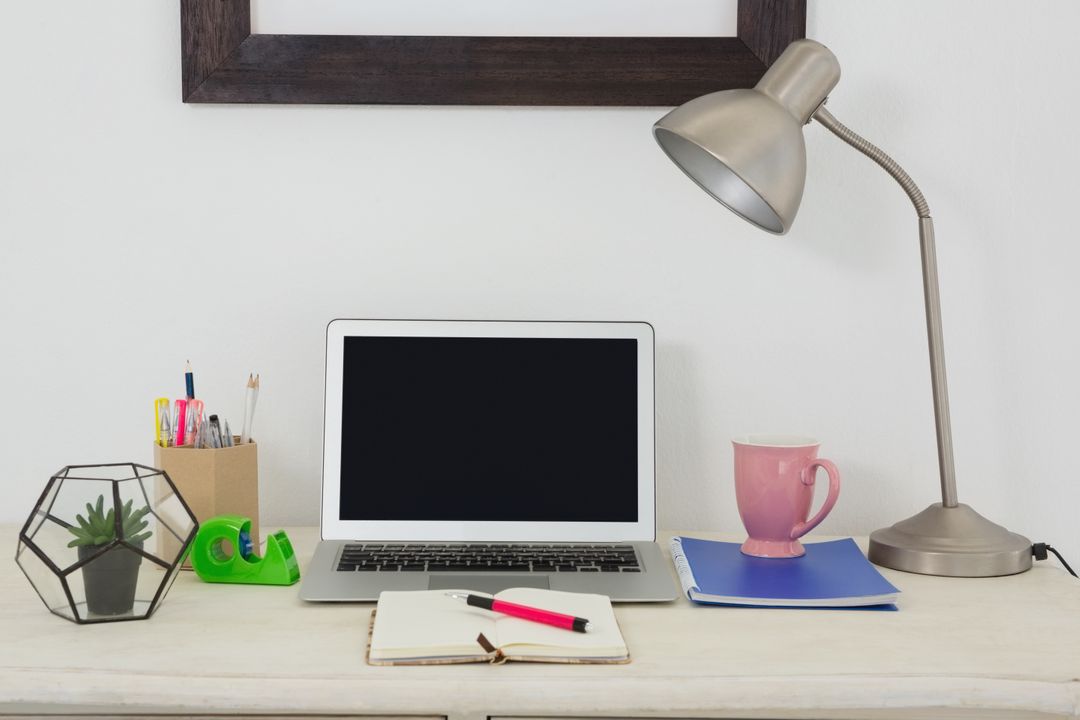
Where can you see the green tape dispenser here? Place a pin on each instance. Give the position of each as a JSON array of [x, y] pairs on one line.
[[223, 553]]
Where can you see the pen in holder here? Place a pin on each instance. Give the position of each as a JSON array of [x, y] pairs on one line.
[[213, 481]]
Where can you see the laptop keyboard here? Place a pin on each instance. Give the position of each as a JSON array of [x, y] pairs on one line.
[[382, 557]]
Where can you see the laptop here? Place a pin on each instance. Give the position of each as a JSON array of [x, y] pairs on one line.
[[488, 455]]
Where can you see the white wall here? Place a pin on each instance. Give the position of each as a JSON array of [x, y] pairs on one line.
[[630, 18], [269, 221]]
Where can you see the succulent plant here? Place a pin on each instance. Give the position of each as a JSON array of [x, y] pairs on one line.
[[99, 527]]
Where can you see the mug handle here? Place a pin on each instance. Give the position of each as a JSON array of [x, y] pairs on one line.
[[807, 475]]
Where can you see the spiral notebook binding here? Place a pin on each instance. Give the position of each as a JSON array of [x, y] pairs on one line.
[[682, 567]]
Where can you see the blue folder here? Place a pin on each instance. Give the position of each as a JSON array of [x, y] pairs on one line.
[[833, 574]]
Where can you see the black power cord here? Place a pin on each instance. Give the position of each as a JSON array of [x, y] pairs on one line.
[[1040, 550]]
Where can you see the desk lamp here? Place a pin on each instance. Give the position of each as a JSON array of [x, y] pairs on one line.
[[746, 149]]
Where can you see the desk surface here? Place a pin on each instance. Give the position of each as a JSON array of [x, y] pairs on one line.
[[1000, 647]]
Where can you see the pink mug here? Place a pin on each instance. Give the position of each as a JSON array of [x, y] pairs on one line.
[[774, 485]]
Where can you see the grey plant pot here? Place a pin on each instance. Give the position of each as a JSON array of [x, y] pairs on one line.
[[111, 579]]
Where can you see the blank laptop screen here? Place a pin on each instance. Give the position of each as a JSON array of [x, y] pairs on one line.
[[503, 429]]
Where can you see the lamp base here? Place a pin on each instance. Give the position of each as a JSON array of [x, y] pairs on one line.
[[954, 542]]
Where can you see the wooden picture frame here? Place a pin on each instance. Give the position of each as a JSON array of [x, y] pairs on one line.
[[222, 62]]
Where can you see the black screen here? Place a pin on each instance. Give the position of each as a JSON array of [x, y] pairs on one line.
[[510, 429]]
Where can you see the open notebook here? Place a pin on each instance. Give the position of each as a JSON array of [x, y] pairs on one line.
[[428, 627]]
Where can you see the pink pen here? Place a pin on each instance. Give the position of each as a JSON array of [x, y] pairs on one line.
[[181, 422], [547, 617], [194, 418]]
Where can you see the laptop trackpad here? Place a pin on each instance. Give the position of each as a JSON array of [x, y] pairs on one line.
[[489, 584]]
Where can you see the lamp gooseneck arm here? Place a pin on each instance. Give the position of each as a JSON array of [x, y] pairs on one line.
[[931, 297], [876, 154]]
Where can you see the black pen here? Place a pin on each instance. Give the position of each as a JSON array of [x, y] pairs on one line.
[[215, 432]]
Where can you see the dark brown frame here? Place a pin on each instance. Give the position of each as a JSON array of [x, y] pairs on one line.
[[224, 63]]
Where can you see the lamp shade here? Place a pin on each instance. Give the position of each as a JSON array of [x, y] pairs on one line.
[[746, 147]]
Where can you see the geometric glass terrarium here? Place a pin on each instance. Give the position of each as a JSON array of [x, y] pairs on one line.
[[105, 542]]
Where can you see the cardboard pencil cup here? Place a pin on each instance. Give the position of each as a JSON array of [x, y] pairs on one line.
[[214, 481]]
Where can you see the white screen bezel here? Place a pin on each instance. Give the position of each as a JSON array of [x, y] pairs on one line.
[[334, 528]]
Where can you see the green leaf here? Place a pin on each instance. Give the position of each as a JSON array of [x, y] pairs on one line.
[[95, 515], [81, 537], [99, 527], [134, 529], [134, 523]]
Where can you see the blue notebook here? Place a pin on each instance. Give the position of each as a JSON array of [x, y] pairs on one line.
[[833, 574]]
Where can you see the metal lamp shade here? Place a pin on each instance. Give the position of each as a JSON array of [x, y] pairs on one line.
[[743, 148], [746, 147]]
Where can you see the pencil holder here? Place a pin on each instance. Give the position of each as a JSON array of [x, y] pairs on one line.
[[88, 546], [214, 481]]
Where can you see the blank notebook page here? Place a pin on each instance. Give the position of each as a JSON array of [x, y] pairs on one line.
[[429, 623], [415, 623], [603, 639]]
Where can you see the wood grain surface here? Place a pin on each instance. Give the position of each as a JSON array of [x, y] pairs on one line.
[[224, 63]]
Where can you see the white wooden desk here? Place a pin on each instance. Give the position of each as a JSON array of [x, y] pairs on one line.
[[998, 648]]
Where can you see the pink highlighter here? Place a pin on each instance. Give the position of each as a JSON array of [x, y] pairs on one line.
[[547, 617], [181, 422]]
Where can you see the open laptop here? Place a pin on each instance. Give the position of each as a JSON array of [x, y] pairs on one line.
[[488, 455]]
